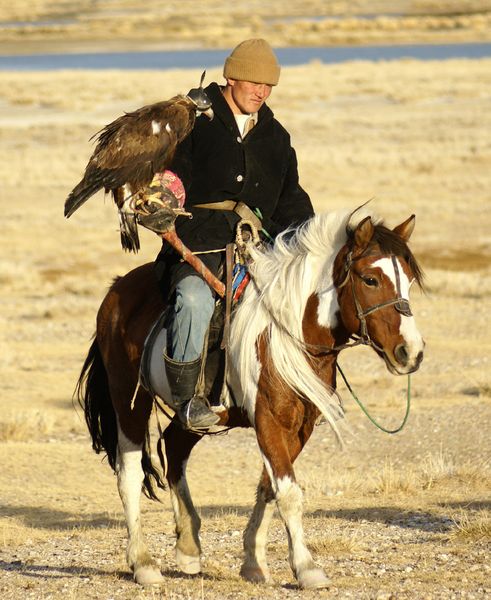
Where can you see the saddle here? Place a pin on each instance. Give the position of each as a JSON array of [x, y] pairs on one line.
[[212, 381]]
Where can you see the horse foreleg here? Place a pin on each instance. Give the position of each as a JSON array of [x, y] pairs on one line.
[[178, 446], [279, 450], [255, 567], [130, 479]]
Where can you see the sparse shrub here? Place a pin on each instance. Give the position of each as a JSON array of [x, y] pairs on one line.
[[344, 541], [472, 527], [22, 427], [437, 467], [393, 479]]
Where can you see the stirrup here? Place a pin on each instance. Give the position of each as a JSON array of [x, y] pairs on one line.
[[196, 414]]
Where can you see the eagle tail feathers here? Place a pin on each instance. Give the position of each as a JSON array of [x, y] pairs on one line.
[[128, 228], [80, 194]]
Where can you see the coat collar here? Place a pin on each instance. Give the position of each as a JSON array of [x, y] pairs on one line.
[[223, 112]]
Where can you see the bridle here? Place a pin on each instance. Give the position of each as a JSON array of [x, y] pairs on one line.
[[401, 304]]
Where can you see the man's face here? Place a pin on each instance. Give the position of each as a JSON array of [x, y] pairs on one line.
[[246, 97]]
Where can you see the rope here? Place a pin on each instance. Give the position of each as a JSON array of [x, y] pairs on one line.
[[370, 418], [259, 214]]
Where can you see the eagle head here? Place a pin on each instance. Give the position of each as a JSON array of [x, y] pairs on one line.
[[199, 97]]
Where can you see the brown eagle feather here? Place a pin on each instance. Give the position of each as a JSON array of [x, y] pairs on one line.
[[134, 147]]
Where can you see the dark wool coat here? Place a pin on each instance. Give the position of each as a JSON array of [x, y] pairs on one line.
[[216, 164]]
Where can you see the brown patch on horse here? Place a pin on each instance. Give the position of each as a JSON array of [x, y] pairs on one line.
[[121, 337], [390, 242], [368, 239], [319, 340], [284, 421]]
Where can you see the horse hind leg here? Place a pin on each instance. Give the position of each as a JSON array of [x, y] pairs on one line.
[[254, 567], [130, 479], [178, 446]]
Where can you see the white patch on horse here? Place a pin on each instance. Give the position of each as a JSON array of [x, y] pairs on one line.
[[328, 307], [168, 128], [155, 127], [289, 499], [130, 479], [290, 504], [408, 328]]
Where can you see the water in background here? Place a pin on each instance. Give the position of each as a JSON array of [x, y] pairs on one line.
[[197, 59]]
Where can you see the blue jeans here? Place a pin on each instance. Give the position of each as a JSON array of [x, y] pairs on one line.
[[190, 319]]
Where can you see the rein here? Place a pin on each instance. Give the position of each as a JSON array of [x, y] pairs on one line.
[[364, 409]]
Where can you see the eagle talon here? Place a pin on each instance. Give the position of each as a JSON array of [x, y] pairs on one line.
[[159, 221]]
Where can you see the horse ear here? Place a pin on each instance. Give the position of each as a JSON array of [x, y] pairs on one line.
[[363, 234], [404, 230]]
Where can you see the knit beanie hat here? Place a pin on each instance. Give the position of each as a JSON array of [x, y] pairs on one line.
[[253, 60]]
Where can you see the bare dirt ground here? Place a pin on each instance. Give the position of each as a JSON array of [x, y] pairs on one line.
[[404, 516]]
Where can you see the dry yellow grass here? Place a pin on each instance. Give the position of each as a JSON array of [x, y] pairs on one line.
[[472, 527], [185, 23]]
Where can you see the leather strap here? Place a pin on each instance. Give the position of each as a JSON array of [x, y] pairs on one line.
[[229, 265], [238, 207], [224, 205]]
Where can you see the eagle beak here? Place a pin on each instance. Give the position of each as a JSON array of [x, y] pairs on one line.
[[208, 112]]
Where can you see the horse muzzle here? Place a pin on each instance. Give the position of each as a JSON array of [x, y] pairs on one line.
[[404, 359]]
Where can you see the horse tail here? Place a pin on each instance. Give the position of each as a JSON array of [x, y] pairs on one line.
[[92, 392]]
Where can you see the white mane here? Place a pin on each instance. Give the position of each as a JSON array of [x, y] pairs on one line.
[[284, 277]]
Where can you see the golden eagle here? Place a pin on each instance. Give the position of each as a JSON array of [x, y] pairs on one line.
[[132, 149]]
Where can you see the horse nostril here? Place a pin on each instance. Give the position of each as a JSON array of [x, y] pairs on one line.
[[419, 358], [401, 354]]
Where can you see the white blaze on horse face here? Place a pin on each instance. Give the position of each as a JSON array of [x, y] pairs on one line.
[[155, 127], [408, 329]]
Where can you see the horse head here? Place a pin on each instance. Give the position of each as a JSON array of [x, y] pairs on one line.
[[373, 273]]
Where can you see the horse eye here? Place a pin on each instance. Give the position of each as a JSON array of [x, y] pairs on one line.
[[371, 281]]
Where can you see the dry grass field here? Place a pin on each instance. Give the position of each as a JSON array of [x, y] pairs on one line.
[[44, 25], [404, 516]]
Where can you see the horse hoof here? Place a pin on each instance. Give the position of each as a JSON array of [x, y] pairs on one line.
[[191, 565], [148, 576], [313, 579], [254, 574]]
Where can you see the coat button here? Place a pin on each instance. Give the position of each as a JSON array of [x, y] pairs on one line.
[[239, 178], [239, 139]]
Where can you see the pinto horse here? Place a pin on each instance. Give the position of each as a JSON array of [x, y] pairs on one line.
[[337, 278]]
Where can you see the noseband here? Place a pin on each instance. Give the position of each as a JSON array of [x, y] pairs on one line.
[[401, 304]]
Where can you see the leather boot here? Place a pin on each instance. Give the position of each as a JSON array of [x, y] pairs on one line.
[[191, 410]]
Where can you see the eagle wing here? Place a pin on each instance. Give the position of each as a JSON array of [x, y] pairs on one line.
[[134, 147]]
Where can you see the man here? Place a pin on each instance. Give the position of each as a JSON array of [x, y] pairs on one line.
[[242, 155]]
